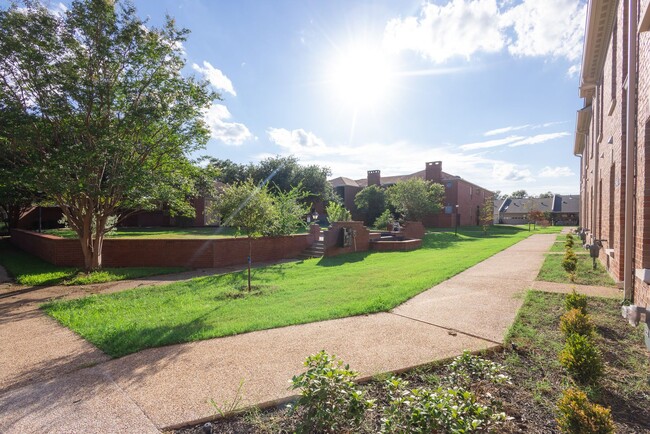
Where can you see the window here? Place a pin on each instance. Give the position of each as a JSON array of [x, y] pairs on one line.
[[448, 209], [448, 185]]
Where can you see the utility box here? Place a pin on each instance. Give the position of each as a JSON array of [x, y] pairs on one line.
[[345, 237], [594, 250]]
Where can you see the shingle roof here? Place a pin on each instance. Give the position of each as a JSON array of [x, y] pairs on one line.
[[387, 180], [343, 181]]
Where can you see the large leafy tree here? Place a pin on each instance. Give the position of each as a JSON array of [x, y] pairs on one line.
[[371, 201], [519, 194], [416, 198], [95, 111]]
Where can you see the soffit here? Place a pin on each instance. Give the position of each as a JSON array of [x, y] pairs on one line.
[[600, 21]]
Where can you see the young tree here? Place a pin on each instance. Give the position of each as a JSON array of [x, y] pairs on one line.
[[96, 111], [248, 207], [416, 198], [290, 212], [535, 216], [372, 202], [486, 213]]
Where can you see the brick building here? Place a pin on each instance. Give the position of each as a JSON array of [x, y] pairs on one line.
[[561, 210], [463, 199], [613, 140]]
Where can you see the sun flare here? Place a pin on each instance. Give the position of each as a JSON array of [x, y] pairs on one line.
[[361, 76]]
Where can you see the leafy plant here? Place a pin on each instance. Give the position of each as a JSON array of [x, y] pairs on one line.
[[582, 359], [570, 263], [569, 243], [576, 414], [337, 213], [384, 220], [576, 301], [468, 368], [329, 398], [289, 211], [576, 322], [371, 201], [416, 198], [228, 407], [420, 410]]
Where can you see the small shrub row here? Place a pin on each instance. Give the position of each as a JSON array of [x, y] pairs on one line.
[[330, 401], [583, 361]]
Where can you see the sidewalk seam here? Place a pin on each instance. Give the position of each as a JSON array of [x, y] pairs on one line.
[[447, 328]]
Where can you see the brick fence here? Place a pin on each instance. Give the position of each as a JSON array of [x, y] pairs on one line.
[[195, 253]]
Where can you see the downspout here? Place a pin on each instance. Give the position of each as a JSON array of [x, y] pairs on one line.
[[594, 200], [630, 133]]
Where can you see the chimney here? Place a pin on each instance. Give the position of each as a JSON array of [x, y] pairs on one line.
[[433, 171], [374, 177]]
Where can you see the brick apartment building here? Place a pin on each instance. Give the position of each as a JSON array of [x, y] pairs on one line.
[[561, 210], [462, 198], [612, 140]]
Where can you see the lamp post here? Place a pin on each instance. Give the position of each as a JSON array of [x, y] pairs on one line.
[[314, 216], [456, 228]]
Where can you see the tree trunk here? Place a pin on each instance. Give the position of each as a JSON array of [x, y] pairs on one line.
[[250, 253]]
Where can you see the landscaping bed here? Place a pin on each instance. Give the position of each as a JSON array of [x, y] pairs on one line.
[[537, 379], [552, 271]]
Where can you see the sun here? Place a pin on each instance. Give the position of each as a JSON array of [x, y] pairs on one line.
[[361, 76]]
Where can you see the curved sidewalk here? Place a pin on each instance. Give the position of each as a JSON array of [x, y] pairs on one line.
[[171, 386]]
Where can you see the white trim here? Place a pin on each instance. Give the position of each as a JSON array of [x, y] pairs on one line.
[[643, 274], [609, 252]]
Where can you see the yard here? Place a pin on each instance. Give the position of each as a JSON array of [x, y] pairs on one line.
[[285, 294], [159, 232]]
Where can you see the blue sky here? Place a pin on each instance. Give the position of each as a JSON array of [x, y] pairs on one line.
[[488, 87]]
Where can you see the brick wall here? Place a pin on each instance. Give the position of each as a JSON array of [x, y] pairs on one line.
[[195, 253], [362, 239]]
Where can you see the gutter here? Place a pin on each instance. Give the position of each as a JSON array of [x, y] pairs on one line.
[[630, 139]]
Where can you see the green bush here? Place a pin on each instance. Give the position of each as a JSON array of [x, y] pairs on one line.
[[576, 301], [329, 398], [582, 359], [569, 243], [337, 213], [576, 322], [570, 263], [384, 220], [576, 415], [420, 410], [468, 368]]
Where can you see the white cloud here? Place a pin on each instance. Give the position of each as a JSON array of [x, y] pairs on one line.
[[555, 172], [296, 141], [216, 78], [59, 9], [539, 138], [511, 172], [230, 133], [491, 143], [574, 70], [547, 28], [459, 28], [499, 131]]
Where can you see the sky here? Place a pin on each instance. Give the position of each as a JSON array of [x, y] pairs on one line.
[[488, 87]]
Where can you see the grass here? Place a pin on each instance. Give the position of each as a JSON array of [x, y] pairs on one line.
[[159, 232], [30, 270], [540, 378], [294, 293], [552, 271], [558, 246]]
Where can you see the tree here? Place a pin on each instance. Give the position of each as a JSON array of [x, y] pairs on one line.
[[519, 194], [95, 111], [16, 195], [416, 198], [486, 213], [547, 195], [535, 216], [372, 202], [248, 207], [289, 212]]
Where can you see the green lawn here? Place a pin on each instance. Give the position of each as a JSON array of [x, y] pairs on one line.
[[30, 270], [285, 294], [159, 232], [552, 271]]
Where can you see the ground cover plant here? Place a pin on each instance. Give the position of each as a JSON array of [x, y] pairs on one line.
[[29, 270], [284, 294], [552, 271], [526, 382]]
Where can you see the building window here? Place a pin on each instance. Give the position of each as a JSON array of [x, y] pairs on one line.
[[448, 185], [448, 209]]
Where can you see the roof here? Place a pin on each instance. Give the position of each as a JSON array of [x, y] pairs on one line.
[[342, 181], [389, 180], [557, 203]]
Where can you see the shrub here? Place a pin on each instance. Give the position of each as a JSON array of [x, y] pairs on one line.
[[420, 410], [570, 263], [468, 368], [582, 359], [337, 213], [577, 415], [384, 220], [576, 322], [328, 396], [569, 243], [576, 301]]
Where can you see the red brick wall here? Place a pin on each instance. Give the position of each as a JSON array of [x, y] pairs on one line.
[[332, 238], [413, 230], [196, 253]]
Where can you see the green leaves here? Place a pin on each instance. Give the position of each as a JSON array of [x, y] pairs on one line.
[[416, 198]]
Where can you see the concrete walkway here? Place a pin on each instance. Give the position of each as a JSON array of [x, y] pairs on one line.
[[51, 380]]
